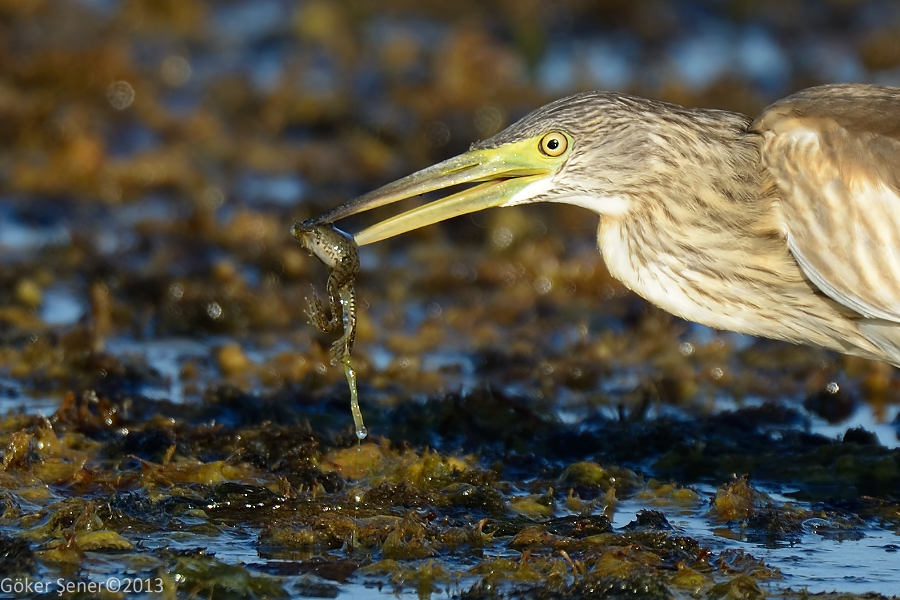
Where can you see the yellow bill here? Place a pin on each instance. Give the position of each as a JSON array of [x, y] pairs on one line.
[[502, 175]]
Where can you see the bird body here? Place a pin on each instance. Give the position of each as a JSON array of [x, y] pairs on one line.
[[705, 234], [786, 226]]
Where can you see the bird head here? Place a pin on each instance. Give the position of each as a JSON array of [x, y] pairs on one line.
[[580, 150]]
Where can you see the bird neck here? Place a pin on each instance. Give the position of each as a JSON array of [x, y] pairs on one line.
[[699, 200]]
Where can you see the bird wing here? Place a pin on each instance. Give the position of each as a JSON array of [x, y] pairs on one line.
[[834, 156]]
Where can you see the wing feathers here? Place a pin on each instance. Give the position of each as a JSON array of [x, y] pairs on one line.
[[834, 153]]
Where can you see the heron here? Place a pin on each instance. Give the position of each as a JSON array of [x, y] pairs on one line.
[[786, 226]]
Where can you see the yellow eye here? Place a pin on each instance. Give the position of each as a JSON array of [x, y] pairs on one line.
[[554, 143]]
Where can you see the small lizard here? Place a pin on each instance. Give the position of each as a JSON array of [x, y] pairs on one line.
[[340, 253]]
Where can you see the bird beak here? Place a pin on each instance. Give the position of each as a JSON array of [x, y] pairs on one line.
[[500, 174]]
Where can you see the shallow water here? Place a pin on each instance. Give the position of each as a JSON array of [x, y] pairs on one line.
[[818, 562]]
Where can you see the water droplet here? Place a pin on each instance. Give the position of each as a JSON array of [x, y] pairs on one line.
[[120, 94], [501, 238], [543, 285], [214, 310]]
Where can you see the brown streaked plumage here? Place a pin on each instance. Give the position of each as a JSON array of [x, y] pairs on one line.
[[787, 226]]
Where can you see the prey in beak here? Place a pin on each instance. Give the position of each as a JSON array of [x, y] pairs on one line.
[[508, 174]]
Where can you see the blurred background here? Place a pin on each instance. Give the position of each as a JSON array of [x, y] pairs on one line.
[[154, 154]]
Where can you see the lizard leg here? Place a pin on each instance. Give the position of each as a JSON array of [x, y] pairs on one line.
[[317, 315]]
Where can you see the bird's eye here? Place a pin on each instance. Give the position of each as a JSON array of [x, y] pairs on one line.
[[554, 143]]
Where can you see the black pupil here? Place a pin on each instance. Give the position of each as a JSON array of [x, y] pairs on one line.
[[553, 144]]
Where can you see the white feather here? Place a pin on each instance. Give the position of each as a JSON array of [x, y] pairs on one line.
[[611, 206]]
